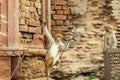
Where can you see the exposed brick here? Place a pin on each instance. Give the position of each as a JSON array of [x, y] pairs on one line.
[[52, 22], [59, 11], [66, 11], [59, 22], [37, 5], [32, 29], [22, 21], [32, 9], [59, 2], [58, 7], [69, 17], [72, 2], [23, 8], [24, 28], [65, 7], [27, 15], [27, 3], [32, 4], [22, 15], [59, 28], [63, 17], [33, 23]]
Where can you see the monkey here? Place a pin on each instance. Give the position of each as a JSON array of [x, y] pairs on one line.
[[52, 55], [110, 40]]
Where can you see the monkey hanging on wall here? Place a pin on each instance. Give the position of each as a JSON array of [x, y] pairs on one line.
[[110, 40], [55, 44]]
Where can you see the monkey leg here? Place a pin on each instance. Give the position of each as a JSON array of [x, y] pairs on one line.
[[49, 64]]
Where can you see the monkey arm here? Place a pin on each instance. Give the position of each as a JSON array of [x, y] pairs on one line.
[[105, 43], [114, 40], [48, 35]]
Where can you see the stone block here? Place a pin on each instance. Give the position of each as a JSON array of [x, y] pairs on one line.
[[27, 3], [59, 22], [66, 11], [31, 9], [65, 7], [62, 17], [32, 29], [22, 21], [58, 7], [37, 5], [59, 2], [24, 28], [33, 23], [72, 3], [59, 11]]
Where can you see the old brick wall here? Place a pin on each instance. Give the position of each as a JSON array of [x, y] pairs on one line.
[[30, 22], [86, 46]]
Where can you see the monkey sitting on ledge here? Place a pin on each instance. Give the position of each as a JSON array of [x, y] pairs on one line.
[[52, 55]]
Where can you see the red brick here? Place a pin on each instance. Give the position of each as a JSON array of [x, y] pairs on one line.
[[69, 17], [59, 28], [33, 23], [24, 28], [32, 9], [52, 22], [58, 7], [59, 2], [22, 21], [62, 17], [22, 14], [59, 22], [65, 7], [59, 11], [32, 29], [66, 11], [72, 2]]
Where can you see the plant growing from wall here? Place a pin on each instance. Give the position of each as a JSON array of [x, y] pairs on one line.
[[92, 75]]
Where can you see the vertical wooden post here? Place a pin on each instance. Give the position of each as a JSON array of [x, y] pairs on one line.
[[44, 10], [49, 14], [13, 32], [107, 66]]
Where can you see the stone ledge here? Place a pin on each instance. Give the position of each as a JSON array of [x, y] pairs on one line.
[[8, 52]]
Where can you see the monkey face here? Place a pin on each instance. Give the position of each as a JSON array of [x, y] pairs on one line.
[[58, 38]]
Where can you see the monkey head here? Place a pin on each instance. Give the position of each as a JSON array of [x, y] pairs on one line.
[[58, 37], [109, 28]]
